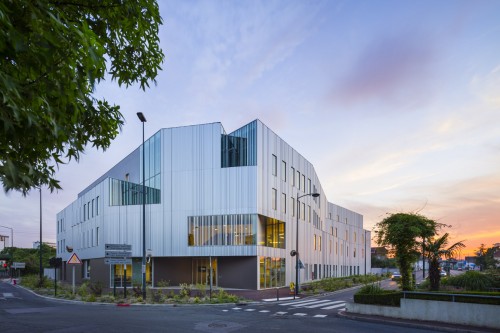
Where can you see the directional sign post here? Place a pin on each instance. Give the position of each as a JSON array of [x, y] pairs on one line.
[[119, 254], [118, 247], [117, 261]]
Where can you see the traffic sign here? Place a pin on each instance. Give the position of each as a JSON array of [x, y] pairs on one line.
[[118, 254], [118, 247], [74, 259], [117, 261], [18, 265]]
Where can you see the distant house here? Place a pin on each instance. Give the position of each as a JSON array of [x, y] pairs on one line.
[[379, 252], [36, 244], [471, 259]]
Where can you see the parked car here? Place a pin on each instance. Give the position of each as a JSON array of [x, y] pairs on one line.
[[396, 276], [443, 273]]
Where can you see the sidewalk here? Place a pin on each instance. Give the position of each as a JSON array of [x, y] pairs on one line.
[[431, 325]]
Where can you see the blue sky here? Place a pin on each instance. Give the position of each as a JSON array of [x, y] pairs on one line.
[[396, 103]]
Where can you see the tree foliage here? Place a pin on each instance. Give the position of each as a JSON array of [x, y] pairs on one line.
[[31, 257], [435, 250], [485, 257], [52, 55], [401, 233]]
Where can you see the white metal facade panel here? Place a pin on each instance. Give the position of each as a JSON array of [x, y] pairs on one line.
[[194, 184]]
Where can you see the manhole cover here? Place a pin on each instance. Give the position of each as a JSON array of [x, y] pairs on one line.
[[217, 325]]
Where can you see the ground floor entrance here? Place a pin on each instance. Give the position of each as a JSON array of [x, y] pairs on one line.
[[205, 269]]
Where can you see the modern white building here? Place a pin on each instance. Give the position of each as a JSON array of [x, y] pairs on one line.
[[225, 202]]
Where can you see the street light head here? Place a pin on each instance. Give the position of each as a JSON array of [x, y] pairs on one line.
[[141, 117], [315, 195]]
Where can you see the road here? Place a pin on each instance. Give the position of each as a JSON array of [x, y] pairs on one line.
[[21, 311]]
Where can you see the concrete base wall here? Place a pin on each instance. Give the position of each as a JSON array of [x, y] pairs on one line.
[[482, 315]]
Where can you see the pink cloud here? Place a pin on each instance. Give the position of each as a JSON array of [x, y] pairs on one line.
[[394, 69]]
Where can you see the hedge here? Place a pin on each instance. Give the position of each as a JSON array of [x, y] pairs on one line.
[[387, 299]]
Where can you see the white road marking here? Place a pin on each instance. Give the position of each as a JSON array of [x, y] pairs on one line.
[[300, 314], [307, 301], [319, 316], [333, 306], [323, 304]]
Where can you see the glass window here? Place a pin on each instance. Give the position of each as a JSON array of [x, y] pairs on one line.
[[239, 147], [298, 179], [309, 185], [274, 195], [292, 175], [274, 165], [303, 211], [97, 235], [283, 171], [303, 184], [84, 212], [314, 242], [292, 205], [283, 202], [319, 243], [308, 213], [93, 207], [97, 205]]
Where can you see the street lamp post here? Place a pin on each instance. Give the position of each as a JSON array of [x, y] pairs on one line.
[[314, 195], [143, 120], [40, 246]]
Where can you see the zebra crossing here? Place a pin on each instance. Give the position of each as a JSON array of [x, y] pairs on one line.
[[313, 304], [323, 304]]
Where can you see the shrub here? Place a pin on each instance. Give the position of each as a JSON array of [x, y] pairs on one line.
[[202, 289], [185, 290], [371, 289], [471, 280], [82, 290], [388, 298], [163, 283], [96, 288], [223, 297]]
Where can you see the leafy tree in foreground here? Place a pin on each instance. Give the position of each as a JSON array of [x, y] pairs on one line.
[[401, 232], [52, 54], [435, 249]]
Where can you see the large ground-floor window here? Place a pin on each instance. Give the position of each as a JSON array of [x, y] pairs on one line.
[[129, 274], [272, 272]]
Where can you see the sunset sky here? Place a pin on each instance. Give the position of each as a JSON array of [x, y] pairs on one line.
[[395, 103]]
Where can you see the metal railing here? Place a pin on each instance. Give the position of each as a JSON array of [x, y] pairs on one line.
[[452, 296]]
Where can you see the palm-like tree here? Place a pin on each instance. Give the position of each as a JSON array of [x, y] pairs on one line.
[[435, 249]]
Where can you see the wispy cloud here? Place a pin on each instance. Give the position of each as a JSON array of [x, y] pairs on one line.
[[395, 69]]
